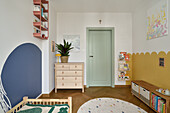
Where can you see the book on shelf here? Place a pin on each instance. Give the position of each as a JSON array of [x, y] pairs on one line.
[[126, 57], [45, 16], [153, 100], [35, 20], [159, 100], [42, 11], [126, 67], [158, 103], [36, 8], [36, 30], [164, 108], [123, 66]]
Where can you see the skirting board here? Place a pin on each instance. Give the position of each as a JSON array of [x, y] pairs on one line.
[[116, 86], [47, 95], [39, 96], [122, 86], [96, 86]]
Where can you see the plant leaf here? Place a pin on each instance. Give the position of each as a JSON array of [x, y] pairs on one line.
[[64, 50]]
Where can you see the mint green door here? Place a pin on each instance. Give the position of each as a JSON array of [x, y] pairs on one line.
[[100, 61]]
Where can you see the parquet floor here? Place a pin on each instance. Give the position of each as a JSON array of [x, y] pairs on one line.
[[96, 92]]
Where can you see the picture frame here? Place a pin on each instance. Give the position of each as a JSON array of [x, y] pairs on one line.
[[157, 20], [75, 40], [52, 46]]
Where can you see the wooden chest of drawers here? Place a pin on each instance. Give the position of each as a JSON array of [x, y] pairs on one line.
[[69, 76]]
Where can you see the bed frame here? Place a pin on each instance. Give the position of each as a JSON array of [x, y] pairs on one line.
[[43, 102]]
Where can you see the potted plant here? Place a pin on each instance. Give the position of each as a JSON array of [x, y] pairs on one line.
[[64, 50]]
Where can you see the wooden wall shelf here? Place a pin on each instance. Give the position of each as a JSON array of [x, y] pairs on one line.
[[37, 2], [43, 29], [41, 23], [44, 2], [152, 89], [43, 19], [45, 11], [37, 14], [37, 35], [37, 24]]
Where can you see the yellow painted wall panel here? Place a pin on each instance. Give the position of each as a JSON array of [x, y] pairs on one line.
[[146, 67]]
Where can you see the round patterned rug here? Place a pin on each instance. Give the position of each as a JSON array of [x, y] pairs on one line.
[[109, 105]]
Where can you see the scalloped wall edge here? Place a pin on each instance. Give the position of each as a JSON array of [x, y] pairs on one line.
[[150, 53]]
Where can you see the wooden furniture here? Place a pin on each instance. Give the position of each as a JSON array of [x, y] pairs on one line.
[[43, 102], [143, 91], [42, 19], [69, 76]]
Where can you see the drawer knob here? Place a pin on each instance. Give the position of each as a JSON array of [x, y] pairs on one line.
[[62, 72], [76, 78], [62, 78], [75, 72], [75, 84], [62, 84], [75, 66], [62, 66]]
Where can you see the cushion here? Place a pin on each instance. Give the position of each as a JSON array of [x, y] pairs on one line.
[[63, 108], [31, 108]]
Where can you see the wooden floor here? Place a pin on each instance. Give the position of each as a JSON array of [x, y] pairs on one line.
[[91, 93]]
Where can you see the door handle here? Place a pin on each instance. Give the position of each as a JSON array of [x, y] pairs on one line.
[[90, 56]]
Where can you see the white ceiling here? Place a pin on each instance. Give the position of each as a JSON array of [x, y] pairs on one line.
[[96, 5]]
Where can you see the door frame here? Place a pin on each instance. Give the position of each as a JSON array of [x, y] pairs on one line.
[[88, 29]]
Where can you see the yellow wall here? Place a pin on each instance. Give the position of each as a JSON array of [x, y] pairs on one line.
[[146, 67]]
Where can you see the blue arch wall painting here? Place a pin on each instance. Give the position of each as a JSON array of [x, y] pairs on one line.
[[22, 73]]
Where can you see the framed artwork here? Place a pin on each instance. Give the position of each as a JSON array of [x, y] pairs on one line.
[[52, 46], [161, 62], [75, 40], [157, 20]]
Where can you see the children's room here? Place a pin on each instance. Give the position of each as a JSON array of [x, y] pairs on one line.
[[84, 56]]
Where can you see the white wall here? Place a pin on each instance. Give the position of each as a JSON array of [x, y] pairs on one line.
[[52, 57], [16, 23], [76, 24], [48, 55], [16, 27], [140, 44]]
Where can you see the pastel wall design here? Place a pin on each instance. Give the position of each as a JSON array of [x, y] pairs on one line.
[[157, 20], [146, 67], [22, 73]]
